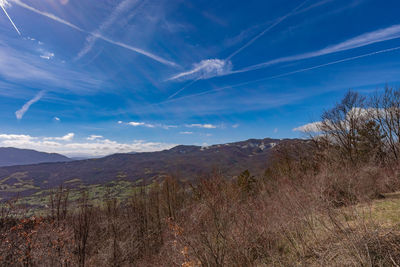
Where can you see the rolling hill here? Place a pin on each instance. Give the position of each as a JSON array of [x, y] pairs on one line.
[[10, 156], [185, 162]]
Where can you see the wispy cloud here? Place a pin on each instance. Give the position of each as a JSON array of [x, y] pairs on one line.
[[216, 67], [92, 38], [20, 113], [148, 125], [197, 125], [21, 137], [381, 35], [96, 35], [97, 147], [47, 55], [135, 124], [205, 69], [186, 132], [28, 70], [67, 137], [197, 75], [94, 137], [286, 74]]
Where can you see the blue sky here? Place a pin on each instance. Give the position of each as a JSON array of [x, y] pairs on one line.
[[83, 77]]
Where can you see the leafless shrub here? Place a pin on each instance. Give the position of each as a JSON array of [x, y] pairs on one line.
[[82, 225], [305, 211]]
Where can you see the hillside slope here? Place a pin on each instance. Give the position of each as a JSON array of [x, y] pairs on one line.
[[10, 156], [186, 162]]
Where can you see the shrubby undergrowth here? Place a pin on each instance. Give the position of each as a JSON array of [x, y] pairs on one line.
[[304, 211]]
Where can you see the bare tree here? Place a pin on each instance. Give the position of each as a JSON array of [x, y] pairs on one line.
[[82, 224], [340, 125], [385, 109]]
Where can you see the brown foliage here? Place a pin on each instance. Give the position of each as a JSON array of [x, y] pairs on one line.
[[300, 213]]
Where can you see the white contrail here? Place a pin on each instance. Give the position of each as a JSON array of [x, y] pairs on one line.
[[91, 39], [183, 88], [138, 50], [62, 21], [49, 15], [15, 27], [277, 22], [365, 39], [378, 36], [20, 113], [286, 73]]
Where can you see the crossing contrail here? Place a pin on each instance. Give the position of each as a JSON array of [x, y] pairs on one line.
[[94, 34], [91, 39], [277, 22], [183, 88], [286, 73], [2, 3]]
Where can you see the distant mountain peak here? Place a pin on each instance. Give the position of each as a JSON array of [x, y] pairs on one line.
[[11, 156]]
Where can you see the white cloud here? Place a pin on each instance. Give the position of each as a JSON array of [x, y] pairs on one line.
[[214, 90], [205, 69], [97, 147], [135, 124], [94, 137], [216, 67], [148, 125], [312, 127], [235, 126], [186, 132], [47, 55], [67, 137], [377, 36], [21, 137], [20, 113], [206, 126], [56, 119], [361, 113]]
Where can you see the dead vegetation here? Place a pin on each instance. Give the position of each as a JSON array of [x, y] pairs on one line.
[[325, 201]]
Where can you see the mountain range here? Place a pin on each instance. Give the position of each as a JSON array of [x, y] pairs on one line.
[[10, 156], [187, 163]]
